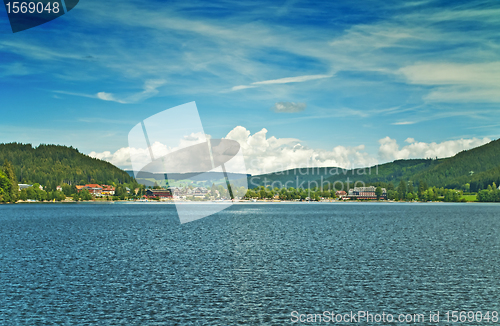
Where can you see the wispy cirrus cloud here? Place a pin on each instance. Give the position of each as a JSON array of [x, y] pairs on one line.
[[287, 80], [150, 89], [375, 59], [457, 82], [400, 123], [297, 79], [109, 97], [446, 73]]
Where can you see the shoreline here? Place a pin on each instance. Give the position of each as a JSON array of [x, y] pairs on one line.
[[244, 202]]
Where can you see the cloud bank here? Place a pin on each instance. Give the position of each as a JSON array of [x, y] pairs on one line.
[[389, 149], [265, 154]]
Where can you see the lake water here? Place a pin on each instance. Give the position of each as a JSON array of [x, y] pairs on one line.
[[134, 264]]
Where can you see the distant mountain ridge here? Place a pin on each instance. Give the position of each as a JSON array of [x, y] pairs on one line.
[[478, 167], [52, 165], [400, 169]]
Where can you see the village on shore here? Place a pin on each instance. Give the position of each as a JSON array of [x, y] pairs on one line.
[[103, 192], [190, 193]]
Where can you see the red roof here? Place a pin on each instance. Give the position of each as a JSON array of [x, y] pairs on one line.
[[93, 185]]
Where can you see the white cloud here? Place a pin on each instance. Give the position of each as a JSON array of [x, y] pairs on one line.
[[108, 97], [289, 107], [298, 79], [287, 80], [478, 82], [389, 149], [75, 94], [121, 157], [141, 156], [403, 123], [237, 88], [453, 74], [150, 90], [262, 154], [268, 154], [464, 94], [265, 154]]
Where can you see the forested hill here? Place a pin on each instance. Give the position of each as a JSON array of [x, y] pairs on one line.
[[473, 169], [52, 165], [478, 167], [388, 172]]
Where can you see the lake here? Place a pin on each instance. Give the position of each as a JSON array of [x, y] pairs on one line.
[[135, 264]]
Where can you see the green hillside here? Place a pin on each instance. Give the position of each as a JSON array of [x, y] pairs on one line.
[[53, 165], [478, 167], [389, 172]]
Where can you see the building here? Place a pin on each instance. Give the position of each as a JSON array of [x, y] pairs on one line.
[[341, 194], [108, 190], [199, 192], [97, 190], [159, 193], [366, 193], [25, 186], [94, 189], [59, 188]]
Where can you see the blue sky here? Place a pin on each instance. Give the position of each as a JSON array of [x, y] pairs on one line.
[[345, 82]]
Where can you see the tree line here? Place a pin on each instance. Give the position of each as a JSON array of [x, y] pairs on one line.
[[468, 171], [9, 189], [8, 183], [291, 193], [52, 166], [405, 191], [491, 194]]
